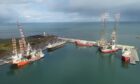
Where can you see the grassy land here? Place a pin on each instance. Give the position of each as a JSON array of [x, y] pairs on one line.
[[36, 41], [5, 47]]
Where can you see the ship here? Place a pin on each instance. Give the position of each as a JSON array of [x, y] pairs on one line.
[[55, 45], [33, 54], [109, 49], [130, 55], [36, 55], [83, 43], [24, 54], [18, 59], [126, 54], [109, 46]]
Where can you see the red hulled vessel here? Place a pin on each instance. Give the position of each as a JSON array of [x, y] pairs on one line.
[[83, 43]]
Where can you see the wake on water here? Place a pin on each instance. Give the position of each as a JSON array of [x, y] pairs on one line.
[[4, 60]]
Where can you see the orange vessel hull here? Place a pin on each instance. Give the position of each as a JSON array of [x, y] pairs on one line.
[[22, 63]]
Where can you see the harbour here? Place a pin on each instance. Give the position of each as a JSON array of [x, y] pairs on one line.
[[133, 56], [69, 42], [86, 63]]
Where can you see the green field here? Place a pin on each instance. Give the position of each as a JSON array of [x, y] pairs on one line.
[[36, 41]]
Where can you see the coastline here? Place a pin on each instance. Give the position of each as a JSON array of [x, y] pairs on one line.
[[36, 41]]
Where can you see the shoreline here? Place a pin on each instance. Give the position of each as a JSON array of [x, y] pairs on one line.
[[36, 41]]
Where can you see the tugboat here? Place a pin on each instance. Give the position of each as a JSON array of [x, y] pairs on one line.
[[55, 45], [18, 61], [126, 54], [83, 43]]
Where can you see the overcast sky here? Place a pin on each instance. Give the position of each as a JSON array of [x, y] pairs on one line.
[[67, 10]]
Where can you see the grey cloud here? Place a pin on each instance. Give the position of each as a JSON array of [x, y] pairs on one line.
[[130, 10], [10, 13], [68, 9], [13, 1], [90, 8]]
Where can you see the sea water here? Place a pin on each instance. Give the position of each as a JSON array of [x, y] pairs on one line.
[[72, 64]]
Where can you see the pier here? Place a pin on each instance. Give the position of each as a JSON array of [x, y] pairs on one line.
[[73, 40], [133, 56]]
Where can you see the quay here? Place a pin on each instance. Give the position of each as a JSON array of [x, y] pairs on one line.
[[133, 56], [73, 40]]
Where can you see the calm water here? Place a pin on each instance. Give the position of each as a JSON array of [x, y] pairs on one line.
[[71, 64]]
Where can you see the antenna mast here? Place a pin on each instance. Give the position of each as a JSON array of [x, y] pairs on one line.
[[14, 46], [103, 41], [114, 33], [22, 41]]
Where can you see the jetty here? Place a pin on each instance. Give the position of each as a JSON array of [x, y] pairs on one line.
[[71, 40], [133, 56]]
